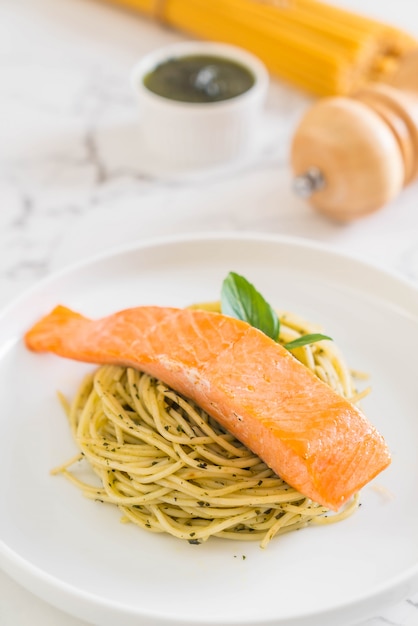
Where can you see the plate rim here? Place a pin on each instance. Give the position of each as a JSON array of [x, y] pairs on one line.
[[234, 235]]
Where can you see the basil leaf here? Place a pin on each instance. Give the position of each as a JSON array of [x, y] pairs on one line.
[[304, 340], [240, 299]]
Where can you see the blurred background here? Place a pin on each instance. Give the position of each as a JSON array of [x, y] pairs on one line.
[[72, 161]]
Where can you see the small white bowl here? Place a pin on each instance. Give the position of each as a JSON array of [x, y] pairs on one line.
[[200, 134]]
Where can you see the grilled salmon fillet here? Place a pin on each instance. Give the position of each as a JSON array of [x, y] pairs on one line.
[[317, 441]]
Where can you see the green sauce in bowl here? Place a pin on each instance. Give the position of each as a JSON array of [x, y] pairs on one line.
[[199, 79]]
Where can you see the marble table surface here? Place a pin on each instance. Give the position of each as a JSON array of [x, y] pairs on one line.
[[75, 179]]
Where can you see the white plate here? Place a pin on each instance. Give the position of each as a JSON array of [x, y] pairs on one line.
[[75, 554]]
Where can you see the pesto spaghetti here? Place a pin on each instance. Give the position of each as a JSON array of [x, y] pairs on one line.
[[170, 467]]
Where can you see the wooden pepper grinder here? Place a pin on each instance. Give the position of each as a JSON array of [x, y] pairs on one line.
[[351, 156]]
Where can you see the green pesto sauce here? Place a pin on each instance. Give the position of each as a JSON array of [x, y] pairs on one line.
[[199, 78]]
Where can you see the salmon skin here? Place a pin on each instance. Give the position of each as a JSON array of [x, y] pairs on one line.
[[314, 439]]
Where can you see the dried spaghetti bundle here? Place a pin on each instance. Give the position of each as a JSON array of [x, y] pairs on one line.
[[318, 47]]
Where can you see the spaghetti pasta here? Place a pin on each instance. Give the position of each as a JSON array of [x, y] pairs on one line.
[[319, 47], [170, 467]]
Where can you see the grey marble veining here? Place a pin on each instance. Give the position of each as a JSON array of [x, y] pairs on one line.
[[75, 179]]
